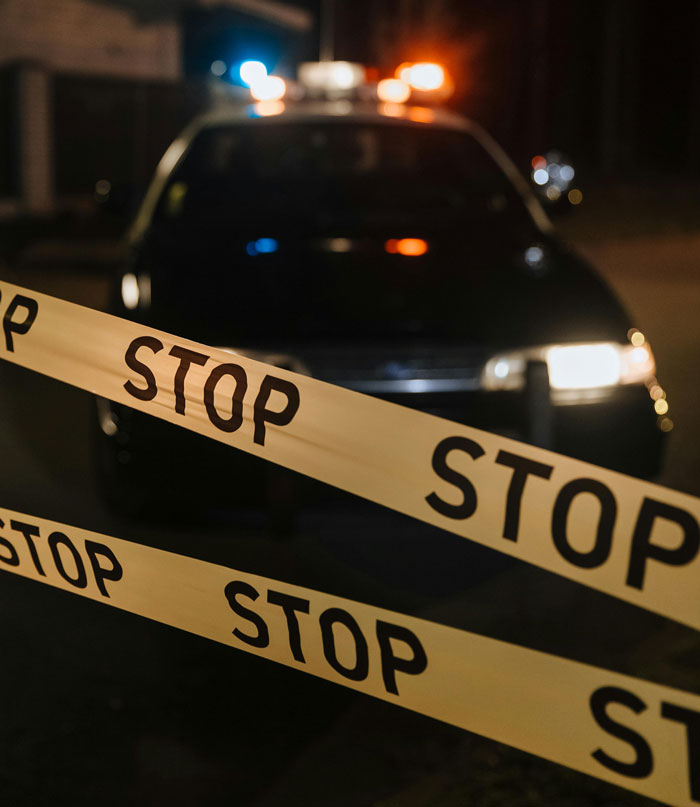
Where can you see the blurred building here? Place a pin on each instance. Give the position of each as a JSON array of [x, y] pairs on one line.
[[93, 89], [615, 84]]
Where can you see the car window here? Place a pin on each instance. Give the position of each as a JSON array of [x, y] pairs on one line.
[[412, 171]]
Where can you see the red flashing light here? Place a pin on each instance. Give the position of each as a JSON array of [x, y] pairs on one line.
[[410, 247]]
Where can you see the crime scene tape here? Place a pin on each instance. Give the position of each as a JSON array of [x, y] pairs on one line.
[[639, 735], [632, 539]]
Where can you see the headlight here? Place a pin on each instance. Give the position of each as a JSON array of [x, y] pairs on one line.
[[574, 366], [136, 291], [584, 366]]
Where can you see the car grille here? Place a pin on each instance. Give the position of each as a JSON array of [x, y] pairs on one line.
[[388, 369]]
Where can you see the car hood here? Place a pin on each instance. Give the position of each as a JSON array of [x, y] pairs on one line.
[[285, 289]]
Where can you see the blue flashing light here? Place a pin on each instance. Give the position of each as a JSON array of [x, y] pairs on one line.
[[251, 71], [266, 245], [262, 246]]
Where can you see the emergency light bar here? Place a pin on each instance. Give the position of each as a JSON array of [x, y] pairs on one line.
[[424, 82], [331, 77]]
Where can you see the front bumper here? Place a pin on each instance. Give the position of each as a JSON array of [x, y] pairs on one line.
[[615, 428]]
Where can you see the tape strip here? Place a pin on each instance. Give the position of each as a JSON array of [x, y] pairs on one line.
[[632, 539], [642, 736]]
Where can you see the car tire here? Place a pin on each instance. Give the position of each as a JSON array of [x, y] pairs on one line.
[[118, 480], [282, 491], [125, 477]]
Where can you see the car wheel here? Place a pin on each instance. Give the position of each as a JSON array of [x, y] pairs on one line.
[[282, 491], [119, 481], [124, 473]]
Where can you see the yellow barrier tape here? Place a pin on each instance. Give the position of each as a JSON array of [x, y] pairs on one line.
[[632, 539], [642, 736]]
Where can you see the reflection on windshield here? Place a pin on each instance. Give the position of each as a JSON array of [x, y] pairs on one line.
[[347, 168]]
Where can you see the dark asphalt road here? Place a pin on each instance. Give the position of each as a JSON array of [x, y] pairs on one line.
[[104, 707]]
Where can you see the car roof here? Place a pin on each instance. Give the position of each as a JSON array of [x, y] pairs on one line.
[[318, 111], [322, 111]]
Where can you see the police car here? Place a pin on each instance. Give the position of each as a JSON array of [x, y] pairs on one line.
[[361, 234]]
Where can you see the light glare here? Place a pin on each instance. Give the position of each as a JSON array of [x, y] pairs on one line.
[[339, 245], [501, 369], [331, 76], [402, 71], [583, 366], [576, 366], [266, 108], [130, 291], [252, 71], [268, 88], [639, 356], [421, 114], [637, 364], [342, 75], [392, 110], [534, 256], [567, 173], [263, 246], [393, 90], [410, 247], [425, 76]]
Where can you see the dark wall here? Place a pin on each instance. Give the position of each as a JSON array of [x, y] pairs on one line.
[[613, 83], [114, 129], [223, 33], [9, 152]]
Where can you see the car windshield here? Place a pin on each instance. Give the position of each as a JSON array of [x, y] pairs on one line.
[[336, 171]]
